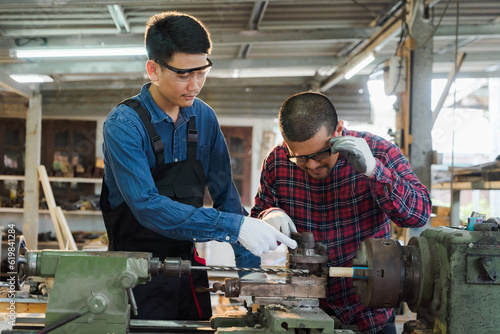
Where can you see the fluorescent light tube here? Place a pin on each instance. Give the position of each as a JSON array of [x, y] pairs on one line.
[[28, 78], [361, 65], [82, 52]]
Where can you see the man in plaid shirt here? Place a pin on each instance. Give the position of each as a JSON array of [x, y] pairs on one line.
[[344, 187]]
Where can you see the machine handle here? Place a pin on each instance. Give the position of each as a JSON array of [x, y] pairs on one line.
[[133, 303], [64, 321], [354, 272]]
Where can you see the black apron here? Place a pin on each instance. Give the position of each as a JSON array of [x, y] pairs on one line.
[[164, 298]]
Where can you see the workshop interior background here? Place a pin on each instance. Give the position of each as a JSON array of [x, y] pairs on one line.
[[263, 52]]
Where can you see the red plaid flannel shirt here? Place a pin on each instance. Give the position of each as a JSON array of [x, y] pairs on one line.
[[343, 210]]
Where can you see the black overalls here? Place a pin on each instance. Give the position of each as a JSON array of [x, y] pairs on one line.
[[164, 298]]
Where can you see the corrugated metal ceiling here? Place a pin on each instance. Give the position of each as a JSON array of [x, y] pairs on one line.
[[297, 42]]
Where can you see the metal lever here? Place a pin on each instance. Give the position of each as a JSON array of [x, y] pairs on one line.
[[133, 303], [217, 286]]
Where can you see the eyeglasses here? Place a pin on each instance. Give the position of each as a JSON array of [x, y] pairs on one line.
[[185, 75], [302, 159]]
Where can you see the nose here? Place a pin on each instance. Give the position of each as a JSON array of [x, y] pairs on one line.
[[311, 163], [194, 83]]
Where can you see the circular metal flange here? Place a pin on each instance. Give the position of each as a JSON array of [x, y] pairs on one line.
[[385, 259], [20, 262]]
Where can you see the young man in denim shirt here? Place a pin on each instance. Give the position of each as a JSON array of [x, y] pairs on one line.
[[161, 149]]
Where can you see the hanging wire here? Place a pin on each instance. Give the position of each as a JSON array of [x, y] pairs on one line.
[[454, 106], [431, 35]]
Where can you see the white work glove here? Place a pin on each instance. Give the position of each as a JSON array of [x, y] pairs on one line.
[[356, 151], [259, 237], [280, 221]]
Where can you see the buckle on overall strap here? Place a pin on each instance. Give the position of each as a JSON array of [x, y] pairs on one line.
[[192, 136], [157, 144]]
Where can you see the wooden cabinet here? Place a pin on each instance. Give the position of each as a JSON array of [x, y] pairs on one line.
[[239, 143], [68, 150]]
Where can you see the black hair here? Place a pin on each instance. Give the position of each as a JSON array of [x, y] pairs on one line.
[[171, 32], [302, 115]]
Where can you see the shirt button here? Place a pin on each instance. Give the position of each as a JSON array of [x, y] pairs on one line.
[[176, 159], [227, 238], [194, 239]]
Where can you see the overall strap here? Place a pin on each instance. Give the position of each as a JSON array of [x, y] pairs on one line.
[[192, 138], [153, 135]]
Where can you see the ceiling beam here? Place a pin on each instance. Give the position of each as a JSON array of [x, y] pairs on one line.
[[165, 3], [135, 67], [373, 44], [109, 37], [8, 83]]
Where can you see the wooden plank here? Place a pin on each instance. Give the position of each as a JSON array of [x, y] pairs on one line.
[[51, 203], [65, 229], [451, 79], [24, 307], [492, 185]]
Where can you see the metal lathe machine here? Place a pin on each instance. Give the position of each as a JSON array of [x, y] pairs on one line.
[[447, 276]]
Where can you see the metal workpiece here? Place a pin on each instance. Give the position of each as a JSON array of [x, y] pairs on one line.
[[175, 267], [448, 276], [309, 255], [296, 287]]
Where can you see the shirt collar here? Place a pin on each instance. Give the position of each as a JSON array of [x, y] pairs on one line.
[[157, 114]]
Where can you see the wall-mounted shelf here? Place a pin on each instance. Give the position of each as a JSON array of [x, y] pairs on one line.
[[456, 187], [46, 212], [55, 179]]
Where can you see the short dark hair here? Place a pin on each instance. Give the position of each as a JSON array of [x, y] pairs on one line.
[[171, 32], [302, 115]]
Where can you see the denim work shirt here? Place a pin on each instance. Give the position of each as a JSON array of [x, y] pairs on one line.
[[129, 157]]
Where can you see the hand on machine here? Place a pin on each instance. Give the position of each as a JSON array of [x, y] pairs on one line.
[[281, 222], [260, 237]]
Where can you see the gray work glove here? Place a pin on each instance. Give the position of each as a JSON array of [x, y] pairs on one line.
[[280, 221], [259, 237], [356, 151]]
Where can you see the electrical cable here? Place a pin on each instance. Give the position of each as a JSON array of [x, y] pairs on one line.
[[374, 14], [454, 106]]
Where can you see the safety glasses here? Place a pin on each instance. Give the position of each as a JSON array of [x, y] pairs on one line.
[[302, 159], [184, 75]]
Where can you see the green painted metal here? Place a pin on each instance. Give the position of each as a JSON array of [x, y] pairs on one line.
[[277, 319], [93, 280], [460, 285]]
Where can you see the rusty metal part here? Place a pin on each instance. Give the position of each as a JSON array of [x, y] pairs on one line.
[[309, 255], [217, 286], [297, 287]]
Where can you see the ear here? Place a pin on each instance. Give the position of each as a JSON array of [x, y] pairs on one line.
[[153, 70], [339, 128]]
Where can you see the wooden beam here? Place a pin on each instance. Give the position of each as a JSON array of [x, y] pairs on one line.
[[377, 41], [10, 84], [450, 80]]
